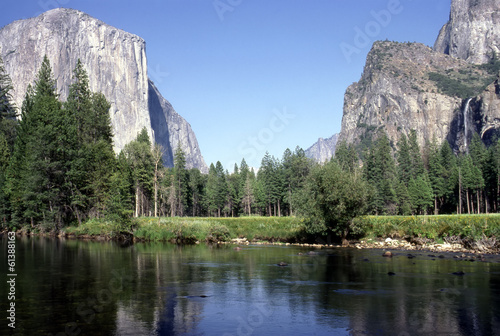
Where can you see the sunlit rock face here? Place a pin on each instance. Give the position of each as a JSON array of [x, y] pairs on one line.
[[444, 93], [473, 31], [116, 64], [323, 150]]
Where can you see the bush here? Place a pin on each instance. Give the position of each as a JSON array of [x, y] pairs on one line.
[[218, 233]]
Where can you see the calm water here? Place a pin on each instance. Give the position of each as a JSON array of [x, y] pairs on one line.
[[93, 288]]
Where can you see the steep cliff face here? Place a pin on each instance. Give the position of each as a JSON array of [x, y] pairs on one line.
[[485, 113], [173, 130], [323, 150], [445, 93], [408, 86], [473, 31], [396, 95], [115, 62]]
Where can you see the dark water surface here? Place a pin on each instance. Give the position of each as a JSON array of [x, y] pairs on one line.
[[93, 288]]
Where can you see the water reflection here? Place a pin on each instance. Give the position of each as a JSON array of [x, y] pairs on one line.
[[92, 288]]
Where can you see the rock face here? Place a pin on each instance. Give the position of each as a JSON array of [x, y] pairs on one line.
[[116, 64], [485, 113], [395, 95], [442, 93], [323, 150], [175, 130], [473, 32]]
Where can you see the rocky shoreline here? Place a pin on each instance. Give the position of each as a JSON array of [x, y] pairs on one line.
[[384, 244]]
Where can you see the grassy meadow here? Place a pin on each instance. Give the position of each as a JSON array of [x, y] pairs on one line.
[[192, 229], [462, 229], [448, 228]]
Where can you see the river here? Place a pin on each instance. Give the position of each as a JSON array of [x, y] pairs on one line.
[[72, 287]]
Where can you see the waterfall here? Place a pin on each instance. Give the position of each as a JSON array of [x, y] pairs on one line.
[[465, 114]]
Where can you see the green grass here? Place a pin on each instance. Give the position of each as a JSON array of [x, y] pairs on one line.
[[439, 227], [98, 227], [190, 230]]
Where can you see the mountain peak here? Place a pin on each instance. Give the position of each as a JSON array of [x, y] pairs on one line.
[[323, 150], [473, 31]]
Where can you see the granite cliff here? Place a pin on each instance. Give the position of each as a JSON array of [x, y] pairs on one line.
[[447, 92], [473, 31], [116, 63], [323, 150]]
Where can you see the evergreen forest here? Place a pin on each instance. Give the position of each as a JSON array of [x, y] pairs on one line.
[[58, 168]]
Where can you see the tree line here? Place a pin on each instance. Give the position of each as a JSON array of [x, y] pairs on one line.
[[58, 167]]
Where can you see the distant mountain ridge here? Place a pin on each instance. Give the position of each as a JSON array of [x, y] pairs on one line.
[[323, 150], [116, 63]]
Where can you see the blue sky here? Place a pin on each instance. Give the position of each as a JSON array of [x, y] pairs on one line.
[[252, 76]]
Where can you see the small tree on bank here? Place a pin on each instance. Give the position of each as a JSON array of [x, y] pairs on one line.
[[332, 197]]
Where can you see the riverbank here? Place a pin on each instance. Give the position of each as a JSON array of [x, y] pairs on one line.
[[439, 232], [444, 233], [189, 230]]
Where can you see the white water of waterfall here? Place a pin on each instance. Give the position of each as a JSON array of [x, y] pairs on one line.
[[466, 119]]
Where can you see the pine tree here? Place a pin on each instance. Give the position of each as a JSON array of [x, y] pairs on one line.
[[157, 154], [211, 191], [92, 156], [492, 175], [8, 125], [121, 190], [404, 201], [451, 175], [16, 172], [248, 198], [417, 163], [4, 161], [216, 190], [41, 193], [271, 175], [8, 112], [233, 183], [346, 156], [437, 175], [197, 183], [405, 169], [221, 188], [380, 172], [479, 156], [420, 193], [180, 181], [243, 174], [140, 159]]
